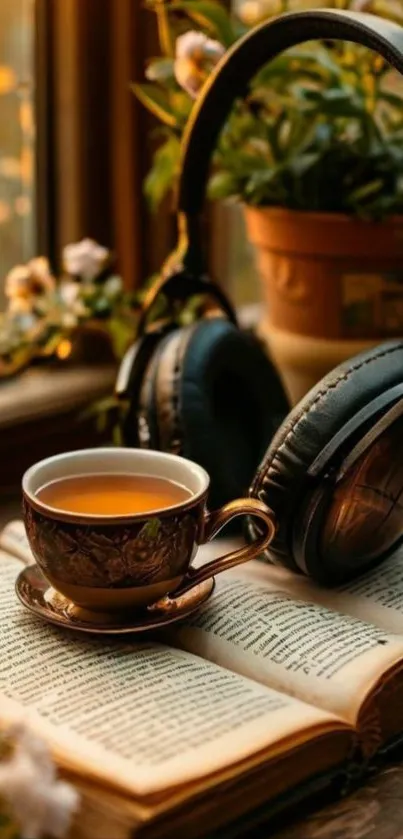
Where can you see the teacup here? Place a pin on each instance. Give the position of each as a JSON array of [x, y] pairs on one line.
[[108, 563]]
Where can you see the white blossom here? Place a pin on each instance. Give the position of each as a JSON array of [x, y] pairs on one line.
[[252, 12], [39, 802], [69, 292], [74, 307], [84, 259], [195, 57], [30, 280], [17, 281], [40, 269]]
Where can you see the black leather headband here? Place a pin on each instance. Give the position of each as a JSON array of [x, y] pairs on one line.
[[237, 68]]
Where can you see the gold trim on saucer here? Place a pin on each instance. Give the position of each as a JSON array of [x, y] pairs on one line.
[[36, 595]]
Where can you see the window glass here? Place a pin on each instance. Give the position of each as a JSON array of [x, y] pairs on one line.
[[17, 133]]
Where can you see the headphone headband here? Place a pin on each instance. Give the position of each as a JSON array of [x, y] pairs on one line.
[[237, 68]]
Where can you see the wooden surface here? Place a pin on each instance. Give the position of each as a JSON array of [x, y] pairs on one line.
[[42, 413], [375, 811], [40, 393]]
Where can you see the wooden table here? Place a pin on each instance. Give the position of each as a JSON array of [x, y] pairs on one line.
[[375, 811]]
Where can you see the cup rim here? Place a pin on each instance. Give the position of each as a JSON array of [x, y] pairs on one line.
[[97, 518]]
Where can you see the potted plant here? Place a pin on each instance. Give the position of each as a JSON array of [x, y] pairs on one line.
[[315, 155]]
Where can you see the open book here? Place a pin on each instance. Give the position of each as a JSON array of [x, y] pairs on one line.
[[274, 689]]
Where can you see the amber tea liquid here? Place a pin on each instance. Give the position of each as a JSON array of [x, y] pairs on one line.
[[112, 495]]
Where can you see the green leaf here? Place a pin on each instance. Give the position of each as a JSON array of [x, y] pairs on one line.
[[162, 175], [160, 70], [392, 99], [314, 61], [264, 187], [335, 103], [210, 15], [275, 133], [222, 185], [155, 101], [365, 191], [323, 57], [117, 436], [181, 105], [291, 65], [150, 529], [301, 164]]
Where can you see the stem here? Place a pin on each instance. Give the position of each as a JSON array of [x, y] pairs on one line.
[[164, 32]]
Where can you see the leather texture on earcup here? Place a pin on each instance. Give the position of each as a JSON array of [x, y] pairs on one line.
[[166, 391], [217, 400], [231, 401], [146, 411], [281, 479]]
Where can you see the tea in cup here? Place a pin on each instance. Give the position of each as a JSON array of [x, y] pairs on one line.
[[117, 528]]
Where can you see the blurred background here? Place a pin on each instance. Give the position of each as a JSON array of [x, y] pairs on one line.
[[74, 142], [319, 139]]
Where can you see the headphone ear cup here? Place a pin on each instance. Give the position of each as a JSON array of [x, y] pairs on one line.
[[230, 402], [326, 424], [209, 393], [132, 384], [145, 410], [165, 399]]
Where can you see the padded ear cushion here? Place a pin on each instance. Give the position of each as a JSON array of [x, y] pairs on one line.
[[281, 478], [166, 391], [147, 410], [230, 400], [210, 394]]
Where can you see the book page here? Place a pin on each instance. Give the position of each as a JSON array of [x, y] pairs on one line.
[[13, 541], [302, 648], [141, 716], [375, 597]]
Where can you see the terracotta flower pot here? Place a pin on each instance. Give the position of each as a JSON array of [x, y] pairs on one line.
[[334, 282]]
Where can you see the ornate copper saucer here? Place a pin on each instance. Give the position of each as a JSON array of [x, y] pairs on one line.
[[42, 600]]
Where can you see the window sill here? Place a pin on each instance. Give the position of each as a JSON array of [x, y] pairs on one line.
[[41, 415], [41, 393]]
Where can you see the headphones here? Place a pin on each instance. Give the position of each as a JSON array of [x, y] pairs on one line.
[[331, 469]]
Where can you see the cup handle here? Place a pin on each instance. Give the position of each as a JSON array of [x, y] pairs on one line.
[[214, 522]]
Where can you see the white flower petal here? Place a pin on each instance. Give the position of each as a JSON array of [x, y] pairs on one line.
[[17, 281], [39, 802], [254, 11], [84, 259], [192, 44], [196, 56], [69, 292], [39, 266], [62, 803], [188, 76], [188, 43]]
